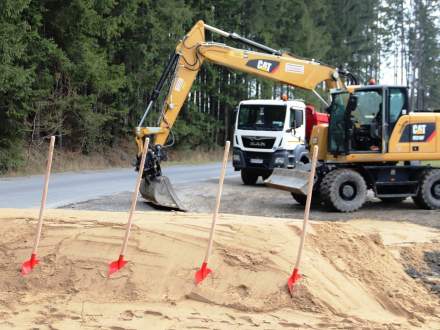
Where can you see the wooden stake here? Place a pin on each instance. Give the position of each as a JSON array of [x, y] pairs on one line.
[[134, 197], [217, 202], [204, 270], [295, 275], [44, 196], [118, 264], [28, 265]]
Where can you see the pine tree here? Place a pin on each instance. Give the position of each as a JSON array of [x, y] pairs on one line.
[[424, 51]]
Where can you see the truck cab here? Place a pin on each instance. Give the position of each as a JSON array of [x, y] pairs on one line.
[[268, 134]]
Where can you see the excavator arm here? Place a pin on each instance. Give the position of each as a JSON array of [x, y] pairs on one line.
[[183, 68]]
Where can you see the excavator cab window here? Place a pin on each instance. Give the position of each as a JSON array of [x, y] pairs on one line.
[[366, 121], [398, 103]]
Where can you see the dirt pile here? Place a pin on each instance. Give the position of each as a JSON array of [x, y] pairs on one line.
[[354, 275]]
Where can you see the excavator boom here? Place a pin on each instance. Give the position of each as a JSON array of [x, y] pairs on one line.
[[183, 68]]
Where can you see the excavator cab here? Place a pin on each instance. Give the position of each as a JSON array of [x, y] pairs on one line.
[[373, 142], [363, 121]]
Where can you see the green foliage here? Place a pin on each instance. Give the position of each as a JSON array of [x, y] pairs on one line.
[[82, 69], [193, 132]]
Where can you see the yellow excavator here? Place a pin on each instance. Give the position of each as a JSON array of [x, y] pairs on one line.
[[372, 139]]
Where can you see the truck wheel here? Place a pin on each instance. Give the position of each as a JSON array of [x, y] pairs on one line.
[[248, 177], [392, 200], [344, 190], [428, 196], [265, 176], [302, 199]]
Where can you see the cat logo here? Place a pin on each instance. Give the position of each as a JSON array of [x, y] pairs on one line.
[[419, 129], [263, 65], [423, 132]]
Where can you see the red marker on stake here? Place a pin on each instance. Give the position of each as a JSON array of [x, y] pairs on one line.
[[28, 265], [204, 271], [121, 262], [295, 277]]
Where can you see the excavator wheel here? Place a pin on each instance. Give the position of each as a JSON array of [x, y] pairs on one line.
[[248, 177], [343, 190], [428, 196], [302, 199]]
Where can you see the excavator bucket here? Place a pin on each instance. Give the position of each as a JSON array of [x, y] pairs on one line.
[[293, 180], [160, 192]]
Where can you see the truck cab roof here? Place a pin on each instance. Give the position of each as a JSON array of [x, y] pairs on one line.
[[295, 103]]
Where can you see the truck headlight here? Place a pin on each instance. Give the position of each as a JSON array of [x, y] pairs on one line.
[[279, 160], [236, 157]]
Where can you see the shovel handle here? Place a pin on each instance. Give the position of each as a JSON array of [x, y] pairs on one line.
[[134, 197], [217, 202], [44, 195], [308, 203]]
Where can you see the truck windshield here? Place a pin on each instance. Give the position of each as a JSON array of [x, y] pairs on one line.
[[261, 117]]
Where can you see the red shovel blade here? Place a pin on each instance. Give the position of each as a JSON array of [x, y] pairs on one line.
[[116, 265], [202, 273], [28, 265], [293, 279]]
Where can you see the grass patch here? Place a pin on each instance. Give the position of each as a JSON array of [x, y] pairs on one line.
[[197, 156], [115, 157], [66, 160]]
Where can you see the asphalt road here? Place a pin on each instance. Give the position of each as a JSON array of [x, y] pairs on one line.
[[75, 187]]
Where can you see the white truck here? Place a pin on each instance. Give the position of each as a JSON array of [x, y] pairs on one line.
[[268, 134]]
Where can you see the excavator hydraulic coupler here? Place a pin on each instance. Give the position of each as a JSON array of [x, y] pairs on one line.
[[293, 180], [159, 191]]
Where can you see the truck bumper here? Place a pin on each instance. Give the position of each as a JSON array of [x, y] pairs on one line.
[[262, 161]]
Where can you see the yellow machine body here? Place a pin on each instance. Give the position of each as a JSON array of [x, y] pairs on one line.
[[410, 141]]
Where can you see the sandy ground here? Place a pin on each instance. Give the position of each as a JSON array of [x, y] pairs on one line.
[[355, 273]]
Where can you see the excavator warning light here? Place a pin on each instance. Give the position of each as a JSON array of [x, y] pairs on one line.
[[372, 81], [284, 97]]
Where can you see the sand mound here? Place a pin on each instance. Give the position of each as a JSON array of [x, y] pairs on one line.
[[353, 273]]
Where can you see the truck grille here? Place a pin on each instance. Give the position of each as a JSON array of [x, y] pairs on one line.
[[266, 158], [258, 142]]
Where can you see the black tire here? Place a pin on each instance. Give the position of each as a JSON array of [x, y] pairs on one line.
[[428, 196], [392, 200], [248, 177], [343, 190], [302, 199], [265, 176]]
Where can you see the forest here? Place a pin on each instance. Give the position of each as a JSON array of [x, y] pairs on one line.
[[83, 69]]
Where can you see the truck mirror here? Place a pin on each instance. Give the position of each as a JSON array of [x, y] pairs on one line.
[[296, 118], [235, 114], [352, 103]]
